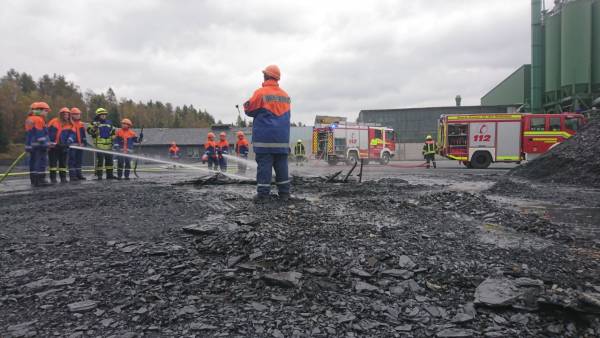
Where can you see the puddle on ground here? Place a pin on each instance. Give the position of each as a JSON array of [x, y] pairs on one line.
[[507, 238], [584, 222]]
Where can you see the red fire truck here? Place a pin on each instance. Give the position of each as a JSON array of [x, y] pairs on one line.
[[348, 142], [478, 140]]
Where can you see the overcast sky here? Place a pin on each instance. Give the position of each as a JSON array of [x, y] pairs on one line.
[[336, 57]]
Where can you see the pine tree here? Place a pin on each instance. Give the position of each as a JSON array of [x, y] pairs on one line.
[[3, 135]]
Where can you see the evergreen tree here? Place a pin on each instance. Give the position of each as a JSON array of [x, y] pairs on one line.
[[3, 135]]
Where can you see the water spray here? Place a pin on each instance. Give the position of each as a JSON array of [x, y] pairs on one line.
[[247, 162], [143, 158]]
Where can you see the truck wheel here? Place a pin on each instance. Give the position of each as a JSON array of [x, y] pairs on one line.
[[385, 159], [481, 160], [352, 158]]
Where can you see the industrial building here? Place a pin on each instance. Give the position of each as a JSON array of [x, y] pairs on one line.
[[565, 71]]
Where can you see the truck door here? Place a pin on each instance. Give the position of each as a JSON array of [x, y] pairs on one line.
[[390, 140], [541, 132], [375, 142], [509, 141]]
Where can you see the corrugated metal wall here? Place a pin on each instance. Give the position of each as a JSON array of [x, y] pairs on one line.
[[413, 124]]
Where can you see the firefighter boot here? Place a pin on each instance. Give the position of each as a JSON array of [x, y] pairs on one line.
[[41, 181], [32, 178], [109, 174], [119, 173], [63, 177], [434, 166], [99, 174], [80, 175], [53, 176]]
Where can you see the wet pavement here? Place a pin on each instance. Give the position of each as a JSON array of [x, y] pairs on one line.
[[409, 252]]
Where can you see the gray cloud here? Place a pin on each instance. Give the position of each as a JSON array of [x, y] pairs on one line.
[[337, 57]]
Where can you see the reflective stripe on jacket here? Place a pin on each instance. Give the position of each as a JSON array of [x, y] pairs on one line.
[[102, 132], [299, 149], [270, 107], [124, 139], [429, 147], [36, 133]]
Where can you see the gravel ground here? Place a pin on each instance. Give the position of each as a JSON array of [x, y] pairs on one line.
[[408, 253]]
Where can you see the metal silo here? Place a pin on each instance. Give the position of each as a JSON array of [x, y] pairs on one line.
[[576, 48], [596, 47], [552, 53]]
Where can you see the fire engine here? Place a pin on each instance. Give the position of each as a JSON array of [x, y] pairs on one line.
[[480, 139], [340, 141]]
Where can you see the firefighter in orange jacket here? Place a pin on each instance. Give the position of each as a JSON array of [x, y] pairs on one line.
[[222, 150], [36, 143], [76, 155], [125, 138], [270, 107], [174, 151], [210, 151], [241, 150], [60, 133]]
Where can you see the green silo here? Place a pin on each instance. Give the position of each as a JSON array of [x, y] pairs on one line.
[[596, 47], [552, 54], [576, 49]]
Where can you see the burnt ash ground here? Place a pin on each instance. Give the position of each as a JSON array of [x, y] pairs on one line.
[[344, 248]]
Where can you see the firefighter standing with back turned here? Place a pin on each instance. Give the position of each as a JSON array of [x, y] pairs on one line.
[[429, 149], [270, 108], [103, 132]]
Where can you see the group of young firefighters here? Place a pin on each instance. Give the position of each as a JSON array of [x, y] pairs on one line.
[[50, 144]]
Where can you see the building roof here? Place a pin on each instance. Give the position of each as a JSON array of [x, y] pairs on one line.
[[197, 136], [185, 136]]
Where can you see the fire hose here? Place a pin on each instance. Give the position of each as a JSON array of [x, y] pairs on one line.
[[12, 166]]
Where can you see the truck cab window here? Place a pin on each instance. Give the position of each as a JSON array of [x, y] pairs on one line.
[[554, 123], [389, 136], [537, 124], [378, 134], [572, 123]]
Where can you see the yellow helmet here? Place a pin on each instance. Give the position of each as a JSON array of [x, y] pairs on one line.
[[101, 111], [429, 137], [299, 141]]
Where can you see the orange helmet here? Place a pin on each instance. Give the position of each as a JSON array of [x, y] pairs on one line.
[[40, 105], [240, 134], [64, 110], [272, 71], [222, 134], [75, 110], [127, 121], [211, 136]]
